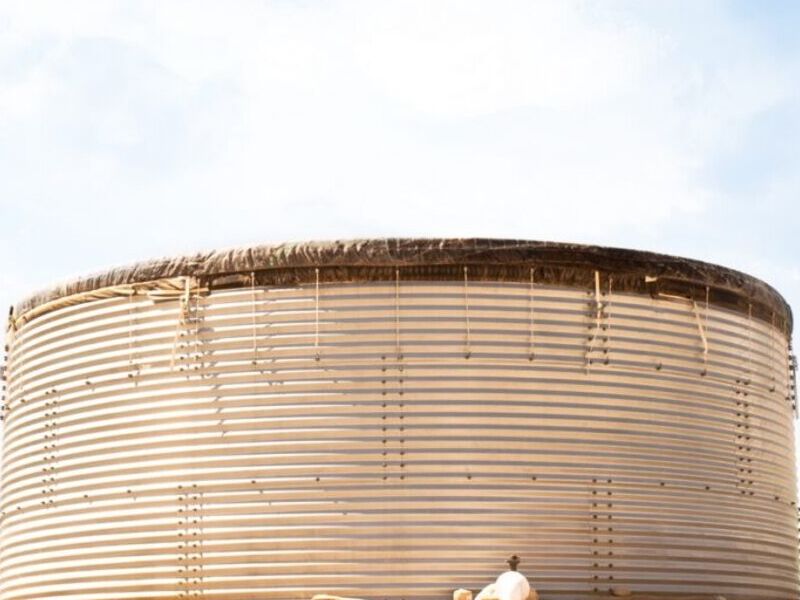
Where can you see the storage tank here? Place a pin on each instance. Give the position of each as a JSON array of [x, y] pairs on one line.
[[391, 419]]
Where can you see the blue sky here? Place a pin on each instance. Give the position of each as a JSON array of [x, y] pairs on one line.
[[131, 130]]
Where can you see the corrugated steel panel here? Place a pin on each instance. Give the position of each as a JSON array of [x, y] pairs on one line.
[[396, 440]]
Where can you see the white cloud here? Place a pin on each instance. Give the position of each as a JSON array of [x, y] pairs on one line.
[[153, 127], [459, 60]]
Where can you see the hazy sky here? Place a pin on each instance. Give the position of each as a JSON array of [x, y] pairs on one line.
[[130, 130]]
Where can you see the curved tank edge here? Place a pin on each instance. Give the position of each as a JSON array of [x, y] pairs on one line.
[[557, 263]]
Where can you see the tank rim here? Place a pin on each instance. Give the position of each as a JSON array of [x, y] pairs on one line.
[[384, 259]]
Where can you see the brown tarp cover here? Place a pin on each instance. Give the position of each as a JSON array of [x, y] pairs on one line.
[[553, 263]]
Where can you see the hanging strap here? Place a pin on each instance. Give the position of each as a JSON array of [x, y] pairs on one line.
[[532, 317], [466, 312], [316, 314], [398, 347], [253, 312]]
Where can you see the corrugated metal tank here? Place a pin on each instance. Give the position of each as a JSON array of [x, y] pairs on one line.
[[392, 419]]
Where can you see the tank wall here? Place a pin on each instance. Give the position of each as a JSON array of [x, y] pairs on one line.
[[396, 440]]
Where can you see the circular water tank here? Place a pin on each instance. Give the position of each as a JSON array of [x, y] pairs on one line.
[[392, 419]]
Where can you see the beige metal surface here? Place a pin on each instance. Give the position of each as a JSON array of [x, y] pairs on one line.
[[396, 440]]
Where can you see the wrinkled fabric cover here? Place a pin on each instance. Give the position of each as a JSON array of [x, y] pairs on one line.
[[380, 259]]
